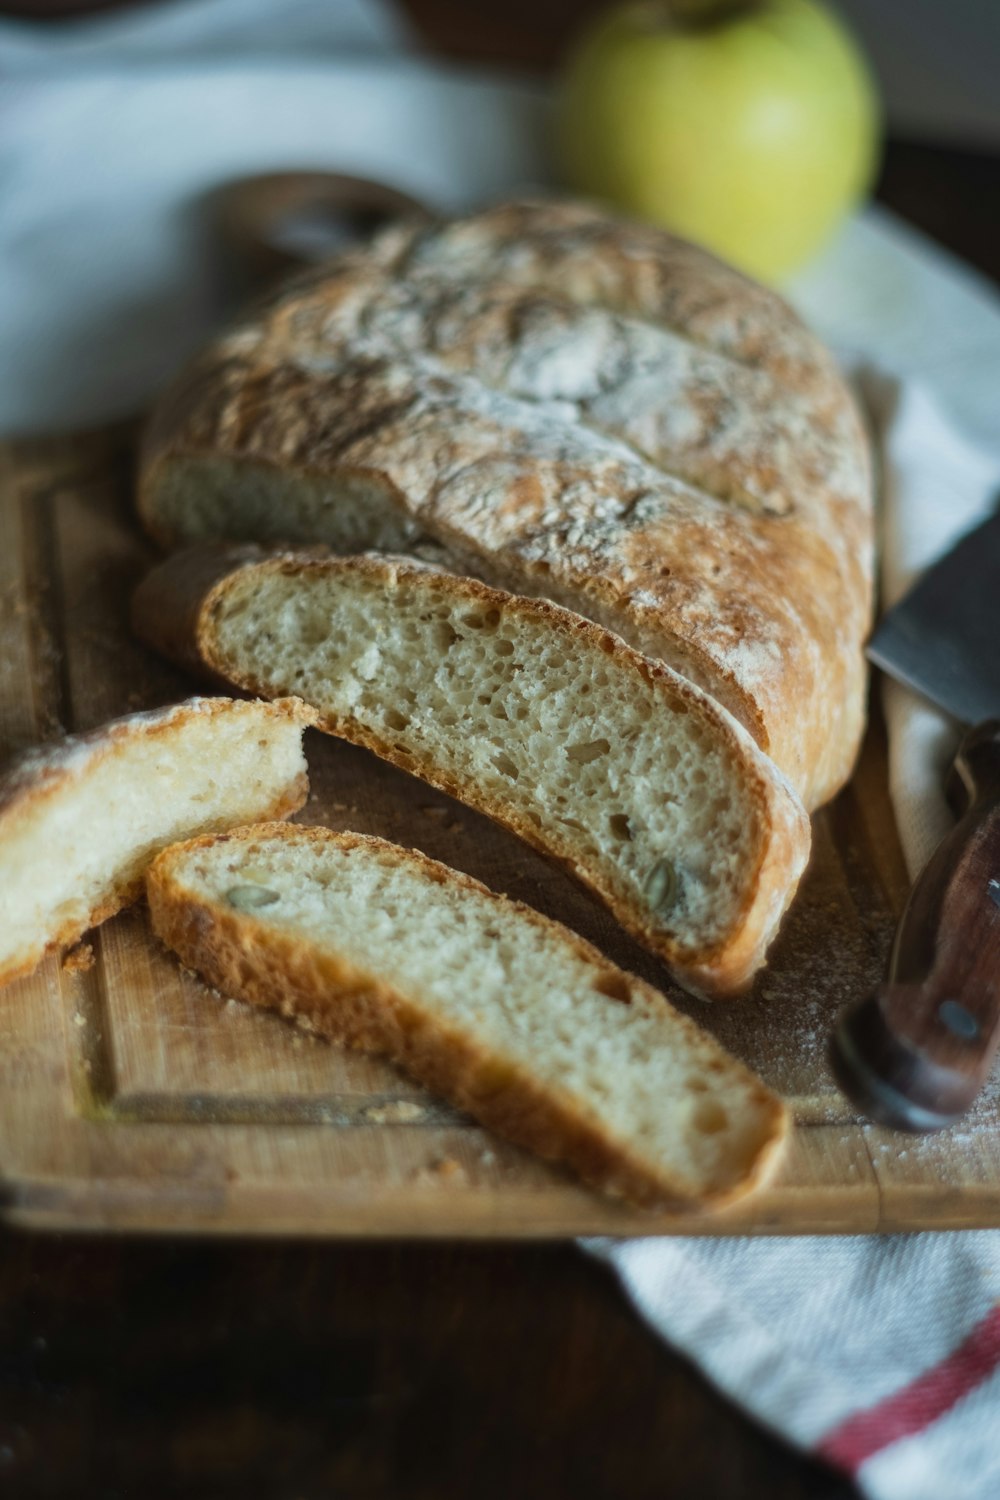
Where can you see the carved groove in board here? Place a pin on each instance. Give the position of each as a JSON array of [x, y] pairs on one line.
[[96, 1092], [338, 1111], [99, 1096], [46, 610], [87, 1032], [30, 640]]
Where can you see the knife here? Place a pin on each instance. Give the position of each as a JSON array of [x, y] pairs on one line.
[[916, 1053]]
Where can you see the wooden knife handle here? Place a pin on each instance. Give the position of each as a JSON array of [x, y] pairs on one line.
[[916, 1053]]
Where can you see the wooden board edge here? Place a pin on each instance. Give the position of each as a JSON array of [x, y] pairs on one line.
[[826, 1186]]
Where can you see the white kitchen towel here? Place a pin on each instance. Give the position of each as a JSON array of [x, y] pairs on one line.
[[881, 1354], [112, 136], [198, 30]]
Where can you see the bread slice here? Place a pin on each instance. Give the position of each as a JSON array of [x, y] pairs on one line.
[[502, 1011], [81, 819], [648, 791]]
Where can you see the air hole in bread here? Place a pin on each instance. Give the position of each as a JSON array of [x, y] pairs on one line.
[[709, 1117], [588, 750], [487, 619], [615, 986]]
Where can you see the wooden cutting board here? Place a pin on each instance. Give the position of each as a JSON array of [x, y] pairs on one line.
[[131, 1097]]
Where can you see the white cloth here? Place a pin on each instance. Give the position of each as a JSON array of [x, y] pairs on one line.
[[106, 277], [881, 1354], [198, 30]]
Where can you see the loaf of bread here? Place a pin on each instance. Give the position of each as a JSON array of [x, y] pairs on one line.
[[565, 405], [81, 819], [502, 1011], [647, 790]]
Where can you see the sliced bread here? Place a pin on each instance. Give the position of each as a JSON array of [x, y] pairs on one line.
[[81, 819], [633, 778], [572, 406], [505, 1013]]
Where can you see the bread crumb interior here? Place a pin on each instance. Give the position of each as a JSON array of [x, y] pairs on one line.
[[615, 773]]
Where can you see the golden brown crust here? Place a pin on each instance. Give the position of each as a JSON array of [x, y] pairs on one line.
[[175, 609], [254, 961], [49, 770], [580, 408], [168, 605]]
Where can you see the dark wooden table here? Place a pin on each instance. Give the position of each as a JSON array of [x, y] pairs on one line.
[[391, 1371]]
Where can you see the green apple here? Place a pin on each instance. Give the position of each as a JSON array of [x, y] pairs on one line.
[[750, 127]]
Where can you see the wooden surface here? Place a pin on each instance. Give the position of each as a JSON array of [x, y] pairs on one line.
[[201, 1370], [131, 1097]]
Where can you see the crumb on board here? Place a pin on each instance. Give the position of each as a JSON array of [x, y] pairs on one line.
[[79, 959], [443, 1169], [396, 1112]]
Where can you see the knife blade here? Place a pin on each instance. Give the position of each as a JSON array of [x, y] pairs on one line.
[[943, 637], [916, 1054]]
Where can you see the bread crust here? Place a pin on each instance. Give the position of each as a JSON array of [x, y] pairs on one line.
[[247, 958], [48, 770], [704, 489], [175, 609]]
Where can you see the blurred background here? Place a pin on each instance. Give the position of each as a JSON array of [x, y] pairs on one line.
[[758, 136], [936, 59]]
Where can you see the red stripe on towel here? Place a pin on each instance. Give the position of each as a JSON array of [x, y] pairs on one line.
[[918, 1404]]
